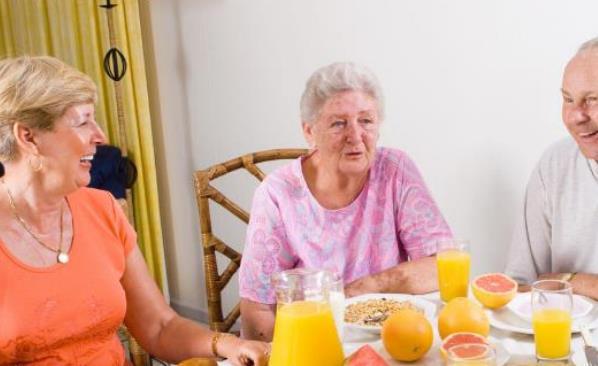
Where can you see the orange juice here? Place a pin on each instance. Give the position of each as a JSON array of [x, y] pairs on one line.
[[453, 273], [305, 335], [552, 333]]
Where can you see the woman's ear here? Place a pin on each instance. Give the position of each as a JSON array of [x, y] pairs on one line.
[[25, 138], [308, 133]]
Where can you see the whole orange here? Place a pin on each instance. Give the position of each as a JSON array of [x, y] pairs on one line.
[[407, 335], [462, 315]]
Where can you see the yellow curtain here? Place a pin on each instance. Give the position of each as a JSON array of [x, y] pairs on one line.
[[76, 31]]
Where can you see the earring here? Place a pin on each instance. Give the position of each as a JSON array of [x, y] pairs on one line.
[[36, 167]]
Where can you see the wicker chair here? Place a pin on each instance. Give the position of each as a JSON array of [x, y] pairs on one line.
[[204, 192]]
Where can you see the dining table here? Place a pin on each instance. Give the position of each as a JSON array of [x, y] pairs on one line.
[[513, 348]]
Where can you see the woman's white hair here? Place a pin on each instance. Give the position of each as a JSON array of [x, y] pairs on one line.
[[592, 44], [335, 78]]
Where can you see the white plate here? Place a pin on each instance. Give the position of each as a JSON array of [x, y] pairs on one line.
[[521, 305], [432, 358], [428, 307], [506, 319]]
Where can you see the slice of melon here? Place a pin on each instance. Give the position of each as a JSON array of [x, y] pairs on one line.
[[494, 290], [365, 356], [461, 338]]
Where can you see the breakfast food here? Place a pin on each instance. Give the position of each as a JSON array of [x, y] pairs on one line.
[[374, 312], [494, 290], [407, 335]]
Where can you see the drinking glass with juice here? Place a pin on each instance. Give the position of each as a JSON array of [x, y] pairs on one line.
[[304, 330], [552, 302], [453, 262]]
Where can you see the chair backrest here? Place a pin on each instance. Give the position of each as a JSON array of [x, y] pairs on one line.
[[204, 192]]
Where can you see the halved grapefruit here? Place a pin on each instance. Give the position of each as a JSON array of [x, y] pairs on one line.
[[494, 290], [475, 353], [460, 338]]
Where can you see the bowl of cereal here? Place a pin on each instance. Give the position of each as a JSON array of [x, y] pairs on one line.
[[368, 312]]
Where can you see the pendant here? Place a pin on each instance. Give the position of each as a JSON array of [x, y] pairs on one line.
[[63, 258]]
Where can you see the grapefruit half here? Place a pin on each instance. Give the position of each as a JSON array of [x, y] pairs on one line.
[[494, 290], [460, 338]]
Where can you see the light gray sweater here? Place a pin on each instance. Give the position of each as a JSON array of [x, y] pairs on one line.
[[558, 225]]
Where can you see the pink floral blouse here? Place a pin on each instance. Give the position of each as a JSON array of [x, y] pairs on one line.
[[393, 219]]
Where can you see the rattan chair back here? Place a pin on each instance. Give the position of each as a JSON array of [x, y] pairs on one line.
[[216, 281]]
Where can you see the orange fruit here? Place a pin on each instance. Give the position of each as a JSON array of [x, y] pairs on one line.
[[407, 335], [460, 338], [462, 315], [494, 290]]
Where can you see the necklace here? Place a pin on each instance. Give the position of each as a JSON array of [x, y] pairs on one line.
[[61, 256]]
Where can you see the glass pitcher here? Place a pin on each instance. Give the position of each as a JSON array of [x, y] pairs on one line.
[[304, 330]]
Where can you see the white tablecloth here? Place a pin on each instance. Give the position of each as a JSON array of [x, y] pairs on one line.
[[512, 348]]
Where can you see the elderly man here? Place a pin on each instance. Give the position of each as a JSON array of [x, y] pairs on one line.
[[557, 236]]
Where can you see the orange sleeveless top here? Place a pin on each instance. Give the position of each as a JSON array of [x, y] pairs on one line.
[[69, 314]]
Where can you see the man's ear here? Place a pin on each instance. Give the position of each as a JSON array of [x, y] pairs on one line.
[[308, 133], [26, 138]]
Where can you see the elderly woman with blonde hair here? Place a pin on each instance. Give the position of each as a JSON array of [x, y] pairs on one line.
[[349, 207], [70, 268]]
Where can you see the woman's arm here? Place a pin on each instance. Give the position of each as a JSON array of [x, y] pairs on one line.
[[257, 320], [414, 277], [169, 336]]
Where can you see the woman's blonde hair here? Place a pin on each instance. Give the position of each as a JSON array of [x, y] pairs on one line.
[[35, 91]]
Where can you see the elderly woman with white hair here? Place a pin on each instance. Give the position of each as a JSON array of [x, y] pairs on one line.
[[349, 207]]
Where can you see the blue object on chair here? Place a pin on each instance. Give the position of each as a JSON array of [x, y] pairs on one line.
[[111, 171]]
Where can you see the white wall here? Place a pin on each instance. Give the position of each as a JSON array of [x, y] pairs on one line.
[[472, 92]]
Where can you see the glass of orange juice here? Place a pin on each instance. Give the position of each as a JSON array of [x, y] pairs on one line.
[[471, 354], [453, 261], [552, 302], [304, 329]]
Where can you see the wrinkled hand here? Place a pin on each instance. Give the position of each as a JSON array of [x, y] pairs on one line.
[[249, 353]]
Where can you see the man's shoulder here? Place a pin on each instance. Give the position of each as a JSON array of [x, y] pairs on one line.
[[561, 153]]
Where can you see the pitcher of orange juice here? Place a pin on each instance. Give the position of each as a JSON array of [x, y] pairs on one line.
[[304, 329]]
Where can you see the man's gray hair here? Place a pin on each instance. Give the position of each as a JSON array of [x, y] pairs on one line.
[[335, 78], [592, 44]]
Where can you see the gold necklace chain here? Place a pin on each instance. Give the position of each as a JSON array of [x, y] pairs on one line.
[[62, 256]]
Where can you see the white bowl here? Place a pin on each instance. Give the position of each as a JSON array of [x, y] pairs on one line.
[[428, 307], [521, 305]]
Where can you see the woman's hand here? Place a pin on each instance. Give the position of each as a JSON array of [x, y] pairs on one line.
[[242, 352]]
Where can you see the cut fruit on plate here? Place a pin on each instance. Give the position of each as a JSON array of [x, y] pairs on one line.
[[494, 290], [460, 338], [477, 353], [365, 356]]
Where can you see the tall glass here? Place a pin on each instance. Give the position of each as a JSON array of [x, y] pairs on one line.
[[453, 261], [471, 354], [337, 301], [304, 329], [552, 302]]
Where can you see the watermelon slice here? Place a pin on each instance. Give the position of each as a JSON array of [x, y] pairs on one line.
[[365, 356]]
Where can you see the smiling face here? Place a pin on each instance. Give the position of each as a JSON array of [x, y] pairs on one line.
[[68, 149], [345, 132], [580, 101]]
